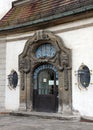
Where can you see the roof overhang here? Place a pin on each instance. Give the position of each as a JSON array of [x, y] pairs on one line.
[[76, 14]]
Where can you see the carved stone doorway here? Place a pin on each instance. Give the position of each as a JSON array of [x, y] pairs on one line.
[[45, 54]]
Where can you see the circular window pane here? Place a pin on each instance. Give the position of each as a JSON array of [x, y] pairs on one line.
[[84, 76]]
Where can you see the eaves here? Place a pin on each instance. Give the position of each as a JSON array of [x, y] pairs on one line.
[[54, 20]]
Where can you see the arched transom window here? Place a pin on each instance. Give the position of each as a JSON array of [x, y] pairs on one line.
[[45, 50]]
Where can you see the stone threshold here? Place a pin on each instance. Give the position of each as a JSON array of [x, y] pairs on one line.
[[45, 115]]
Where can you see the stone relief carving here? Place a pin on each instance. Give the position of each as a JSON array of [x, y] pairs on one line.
[[24, 65], [28, 61]]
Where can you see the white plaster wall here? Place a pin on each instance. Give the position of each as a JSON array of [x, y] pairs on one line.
[[13, 49], [81, 43]]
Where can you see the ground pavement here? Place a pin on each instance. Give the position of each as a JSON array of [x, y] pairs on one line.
[[8, 122]]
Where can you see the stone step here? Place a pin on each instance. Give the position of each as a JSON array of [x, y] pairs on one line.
[[45, 115]]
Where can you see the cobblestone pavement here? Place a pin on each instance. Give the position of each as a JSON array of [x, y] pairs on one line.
[[34, 123]]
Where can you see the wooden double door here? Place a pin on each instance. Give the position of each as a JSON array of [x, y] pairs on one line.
[[45, 93]]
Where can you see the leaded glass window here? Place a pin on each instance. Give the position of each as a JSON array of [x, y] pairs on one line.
[[45, 50], [84, 76], [42, 71]]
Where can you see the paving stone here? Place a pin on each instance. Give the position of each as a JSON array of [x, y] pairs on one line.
[[33, 123]]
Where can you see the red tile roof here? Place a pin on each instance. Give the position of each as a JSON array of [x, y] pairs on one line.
[[33, 10]]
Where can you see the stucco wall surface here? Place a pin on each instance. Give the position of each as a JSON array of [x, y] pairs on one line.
[[2, 73], [80, 41], [13, 49]]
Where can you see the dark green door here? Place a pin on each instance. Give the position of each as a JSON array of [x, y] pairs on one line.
[[45, 96]]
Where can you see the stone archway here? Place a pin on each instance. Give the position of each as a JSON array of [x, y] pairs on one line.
[[61, 60]]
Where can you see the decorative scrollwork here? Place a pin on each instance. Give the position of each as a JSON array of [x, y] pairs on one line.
[[13, 79], [24, 65], [30, 58], [40, 35]]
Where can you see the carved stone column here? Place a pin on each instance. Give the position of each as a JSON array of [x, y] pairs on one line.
[[31, 91], [60, 89], [22, 93], [66, 93], [28, 92]]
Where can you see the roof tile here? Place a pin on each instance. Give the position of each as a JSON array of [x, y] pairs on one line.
[[37, 9]]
